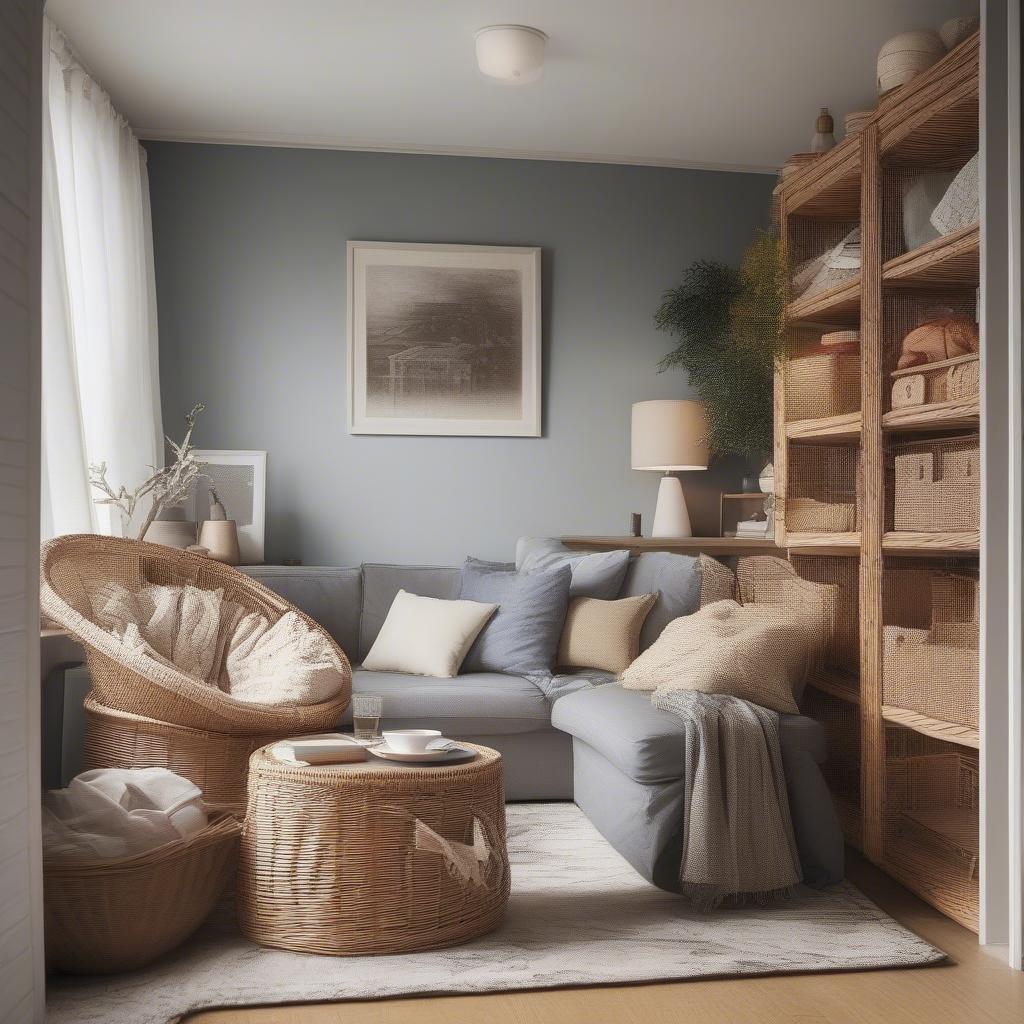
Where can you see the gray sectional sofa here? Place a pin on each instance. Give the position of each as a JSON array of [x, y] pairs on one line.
[[581, 738]]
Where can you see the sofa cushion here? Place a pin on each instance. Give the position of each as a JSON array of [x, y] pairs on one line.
[[332, 597], [382, 582], [596, 574], [478, 704], [674, 578], [645, 742], [522, 636]]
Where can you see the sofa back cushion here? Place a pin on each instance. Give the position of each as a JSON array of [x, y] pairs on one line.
[[596, 574], [330, 596], [381, 583], [523, 634], [674, 578]]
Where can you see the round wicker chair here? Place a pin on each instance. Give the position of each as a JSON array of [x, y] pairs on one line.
[[71, 566]]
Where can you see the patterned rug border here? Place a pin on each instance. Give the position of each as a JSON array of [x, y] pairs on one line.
[[837, 931]]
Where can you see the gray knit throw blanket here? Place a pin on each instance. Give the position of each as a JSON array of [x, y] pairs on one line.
[[738, 844]]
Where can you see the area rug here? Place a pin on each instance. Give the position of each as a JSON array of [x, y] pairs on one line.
[[579, 915]]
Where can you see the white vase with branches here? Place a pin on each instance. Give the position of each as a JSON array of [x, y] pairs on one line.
[[165, 487]]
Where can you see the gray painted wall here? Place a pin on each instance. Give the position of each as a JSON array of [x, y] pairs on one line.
[[250, 269]]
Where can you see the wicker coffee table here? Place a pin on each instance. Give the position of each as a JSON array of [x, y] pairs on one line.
[[372, 857]]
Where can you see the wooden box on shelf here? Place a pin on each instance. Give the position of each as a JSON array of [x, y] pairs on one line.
[[949, 380]]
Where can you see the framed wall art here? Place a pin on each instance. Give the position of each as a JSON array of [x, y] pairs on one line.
[[444, 339]]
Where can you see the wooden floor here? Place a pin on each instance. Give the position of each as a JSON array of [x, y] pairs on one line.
[[976, 987]]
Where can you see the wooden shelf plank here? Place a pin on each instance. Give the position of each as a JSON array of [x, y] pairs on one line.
[[946, 731], [832, 428], [836, 683], [931, 878], [950, 260], [962, 412], [840, 305], [686, 545], [828, 187], [909, 543], [828, 543]]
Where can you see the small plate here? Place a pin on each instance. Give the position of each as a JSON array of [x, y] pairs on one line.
[[427, 757]]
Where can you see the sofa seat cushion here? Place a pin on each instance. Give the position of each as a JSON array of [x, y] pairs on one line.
[[644, 742], [476, 704]]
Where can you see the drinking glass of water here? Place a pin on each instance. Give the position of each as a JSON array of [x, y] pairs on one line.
[[366, 714]]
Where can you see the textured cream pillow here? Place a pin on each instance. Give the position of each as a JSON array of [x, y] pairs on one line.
[[427, 636], [761, 653], [603, 634]]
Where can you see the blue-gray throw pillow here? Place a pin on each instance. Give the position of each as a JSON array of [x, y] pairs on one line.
[[594, 573], [675, 578], [522, 636]]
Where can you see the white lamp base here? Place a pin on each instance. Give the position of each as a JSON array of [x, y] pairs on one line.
[[671, 517]]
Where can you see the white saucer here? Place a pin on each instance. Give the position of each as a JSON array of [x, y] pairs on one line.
[[427, 757]]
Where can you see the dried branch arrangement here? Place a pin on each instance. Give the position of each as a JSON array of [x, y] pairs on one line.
[[165, 487]]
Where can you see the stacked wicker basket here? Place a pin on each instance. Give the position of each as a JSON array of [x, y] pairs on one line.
[[877, 469]]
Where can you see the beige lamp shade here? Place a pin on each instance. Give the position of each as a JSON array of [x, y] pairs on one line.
[[669, 435]]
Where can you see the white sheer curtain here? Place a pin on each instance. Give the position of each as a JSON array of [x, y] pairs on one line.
[[101, 394]]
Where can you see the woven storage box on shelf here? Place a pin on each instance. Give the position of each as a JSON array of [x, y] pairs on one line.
[[217, 763], [932, 805], [823, 494], [72, 566], [946, 381], [372, 857], [825, 384], [930, 654], [937, 485], [118, 915]]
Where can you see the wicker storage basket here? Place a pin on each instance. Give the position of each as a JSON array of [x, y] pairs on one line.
[[932, 805], [937, 485], [71, 566], [824, 489], [118, 915], [372, 857], [934, 670], [808, 515], [826, 384], [946, 381], [217, 763]]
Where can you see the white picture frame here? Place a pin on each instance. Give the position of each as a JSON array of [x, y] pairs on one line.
[[483, 382], [234, 489]]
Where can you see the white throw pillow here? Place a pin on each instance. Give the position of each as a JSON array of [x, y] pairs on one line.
[[427, 636]]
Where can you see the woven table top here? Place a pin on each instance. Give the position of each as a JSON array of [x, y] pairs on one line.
[[264, 764]]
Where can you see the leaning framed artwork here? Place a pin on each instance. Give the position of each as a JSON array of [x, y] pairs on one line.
[[444, 339], [240, 480]]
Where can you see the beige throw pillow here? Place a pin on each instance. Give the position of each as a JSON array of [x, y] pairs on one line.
[[761, 653], [427, 636], [603, 634]]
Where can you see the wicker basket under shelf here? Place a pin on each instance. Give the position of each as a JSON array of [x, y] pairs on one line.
[[72, 567], [217, 764], [351, 859], [823, 494], [949, 380], [932, 805], [118, 915], [937, 485], [932, 668], [825, 384]]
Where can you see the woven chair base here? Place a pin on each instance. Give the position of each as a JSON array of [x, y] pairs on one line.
[[372, 858], [217, 764], [107, 916]]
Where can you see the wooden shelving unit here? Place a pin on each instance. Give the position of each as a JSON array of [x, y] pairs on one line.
[[923, 835]]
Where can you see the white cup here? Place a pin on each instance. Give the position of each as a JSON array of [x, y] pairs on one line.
[[410, 741]]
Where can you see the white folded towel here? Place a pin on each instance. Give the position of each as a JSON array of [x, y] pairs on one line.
[[116, 812]]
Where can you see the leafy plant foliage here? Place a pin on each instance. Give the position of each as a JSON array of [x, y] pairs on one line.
[[729, 324]]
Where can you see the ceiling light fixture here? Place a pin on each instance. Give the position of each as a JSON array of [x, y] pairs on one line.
[[513, 54]]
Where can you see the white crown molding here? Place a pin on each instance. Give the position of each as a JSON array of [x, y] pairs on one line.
[[288, 141]]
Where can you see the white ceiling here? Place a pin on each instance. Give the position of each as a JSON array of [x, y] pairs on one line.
[[696, 83]]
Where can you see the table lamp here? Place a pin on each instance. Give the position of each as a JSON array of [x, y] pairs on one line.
[[667, 436]]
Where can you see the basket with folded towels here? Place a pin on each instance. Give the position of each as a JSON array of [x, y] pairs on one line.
[[132, 866]]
